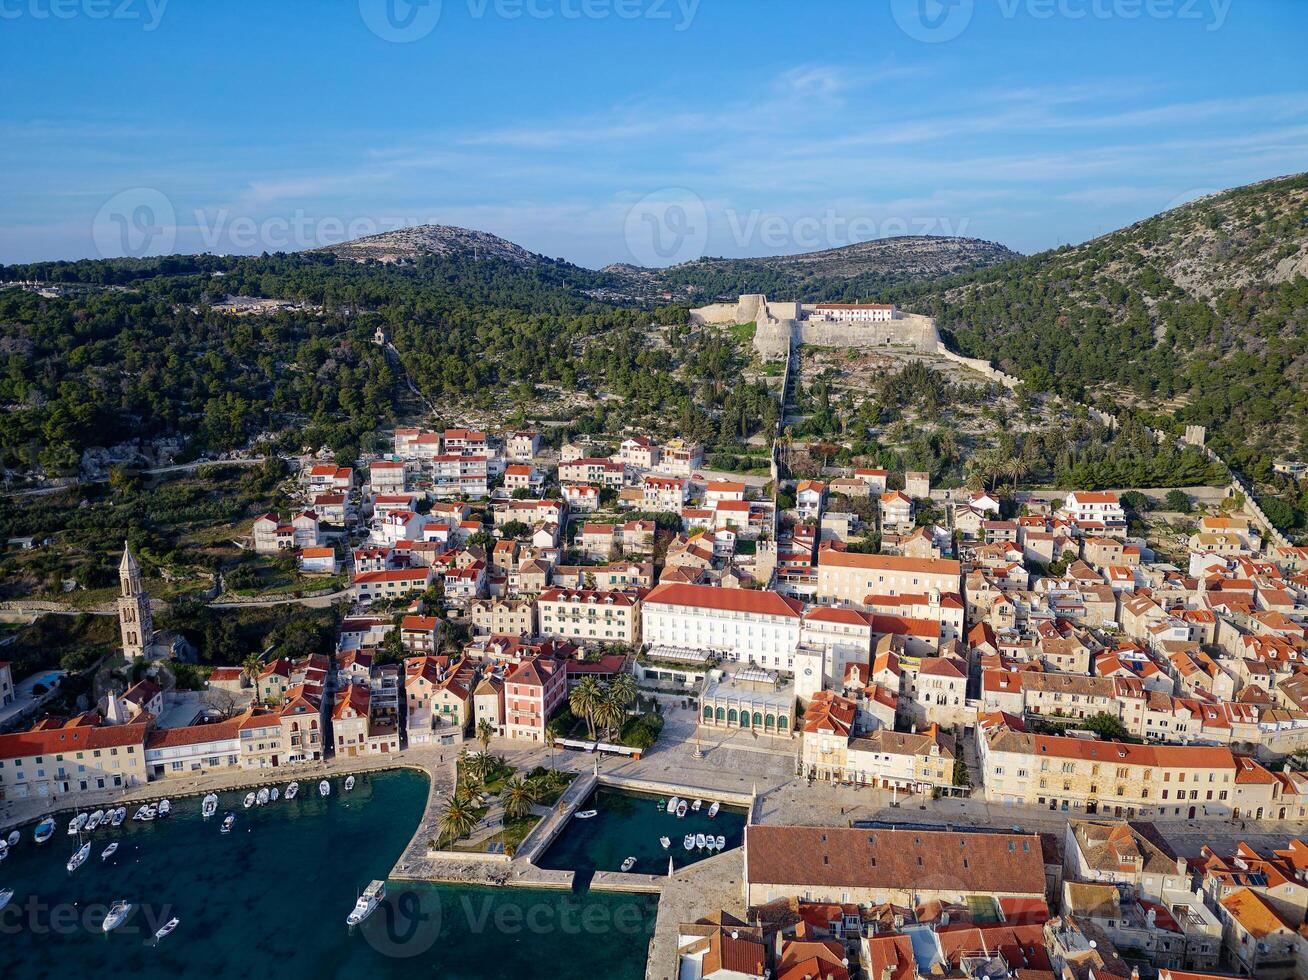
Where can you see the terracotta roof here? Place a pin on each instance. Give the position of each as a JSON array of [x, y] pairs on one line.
[[890, 563], [76, 738], [1253, 913], [726, 600]]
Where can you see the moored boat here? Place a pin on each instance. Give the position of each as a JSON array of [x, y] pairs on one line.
[[688, 841], [147, 814], [349, 783], [713, 809], [13, 838], [44, 830], [79, 856], [721, 842], [292, 790], [76, 824], [324, 788], [666, 842], [119, 816], [166, 928], [261, 797], [699, 841], [209, 806], [628, 864], [165, 807], [94, 820], [228, 820], [5, 895], [696, 805], [682, 807], [141, 812], [117, 915], [109, 851], [4, 850], [273, 794], [367, 903], [249, 800], [672, 805], [585, 814]]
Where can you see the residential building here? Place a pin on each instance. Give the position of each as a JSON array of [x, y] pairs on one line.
[[848, 577], [740, 624], [58, 758], [590, 616], [532, 693]]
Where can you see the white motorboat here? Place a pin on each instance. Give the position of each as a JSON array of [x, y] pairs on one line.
[[147, 814], [324, 788], [165, 807], [117, 915], [585, 814], [721, 842], [79, 856], [367, 904], [273, 794], [699, 841], [261, 797], [44, 830], [688, 841], [696, 805], [672, 805], [349, 783], [249, 800], [76, 824], [5, 895], [141, 812], [666, 842], [119, 816], [292, 790], [209, 806], [13, 838], [628, 864], [166, 928], [4, 850], [682, 807], [714, 808], [109, 851], [228, 820], [94, 820]]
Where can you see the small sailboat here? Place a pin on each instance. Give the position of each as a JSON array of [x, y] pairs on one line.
[[682, 807], [273, 794], [324, 788], [94, 820], [119, 816], [165, 807], [585, 814], [249, 800], [166, 928], [628, 864], [261, 797], [76, 824], [688, 841], [44, 830], [721, 842], [696, 805], [117, 915], [349, 783], [109, 851], [228, 820], [666, 842], [292, 790], [672, 805], [79, 856], [367, 904], [5, 895], [13, 838], [699, 842], [713, 809], [209, 806]]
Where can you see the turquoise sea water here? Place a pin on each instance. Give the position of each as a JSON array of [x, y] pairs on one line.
[[272, 897], [630, 825]]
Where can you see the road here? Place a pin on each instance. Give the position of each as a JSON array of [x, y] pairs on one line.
[[156, 471]]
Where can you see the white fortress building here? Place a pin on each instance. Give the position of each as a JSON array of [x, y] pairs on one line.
[[780, 326]]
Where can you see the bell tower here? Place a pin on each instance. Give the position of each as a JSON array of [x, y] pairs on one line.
[[134, 620]]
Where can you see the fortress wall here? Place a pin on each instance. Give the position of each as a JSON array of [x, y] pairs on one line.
[[911, 330], [722, 313]]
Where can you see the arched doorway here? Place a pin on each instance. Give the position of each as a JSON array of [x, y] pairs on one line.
[[1192, 812]]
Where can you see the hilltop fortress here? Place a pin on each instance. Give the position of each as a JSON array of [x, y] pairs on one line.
[[779, 326]]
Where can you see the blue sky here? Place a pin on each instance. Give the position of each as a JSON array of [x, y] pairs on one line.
[[632, 130]]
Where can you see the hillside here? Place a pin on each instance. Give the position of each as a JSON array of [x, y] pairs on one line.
[[1198, 315], [850, 272], [410, 244]]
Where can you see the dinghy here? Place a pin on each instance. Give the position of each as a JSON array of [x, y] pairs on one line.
[[699, 842], [166, 928], [721, 842], [628, 864], [682, 807], [665, 842], [4, 850], [713, 809], [273, 794], [688, 841], [291, 790], [249, 800], [13, 838], [165, 807], [262, 796], [672, 805], [119, 816], [108, 852], [210, 806], [94, 820], [349, 783], [585, 814], [696, 805], [5, 895], [324, 788], [228, 820]]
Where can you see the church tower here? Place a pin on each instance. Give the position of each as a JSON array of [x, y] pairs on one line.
[[133, 608]]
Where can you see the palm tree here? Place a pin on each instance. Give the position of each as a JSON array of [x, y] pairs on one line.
[[624, 689], [551, 740], [251, 668], [484, 734], [518, 797], [458, 816], [584, 699], [610, 711]]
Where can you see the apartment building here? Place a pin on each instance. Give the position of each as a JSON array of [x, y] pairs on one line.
[[850, 578], [590, 616], [740, 624]]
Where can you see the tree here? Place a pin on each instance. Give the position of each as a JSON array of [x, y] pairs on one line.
[[251, 668], [584, 699], [458, 816], [551, 740], [485, 732], [610, 711], [518, 797], [1108, 727], [1177, 500]]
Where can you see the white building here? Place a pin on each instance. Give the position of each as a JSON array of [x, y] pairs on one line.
[[740, 624], [848, 577], [854, 312]]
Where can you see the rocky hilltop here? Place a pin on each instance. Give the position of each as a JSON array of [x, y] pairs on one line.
[[406, 244]]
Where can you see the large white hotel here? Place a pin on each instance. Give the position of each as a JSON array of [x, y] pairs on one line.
[[739, 624]]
